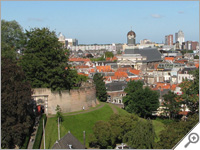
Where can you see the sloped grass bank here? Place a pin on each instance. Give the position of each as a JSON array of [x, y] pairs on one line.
[[76, 124]]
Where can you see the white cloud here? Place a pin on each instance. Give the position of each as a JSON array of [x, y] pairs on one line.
[[156, 16], [36, 19], [180, 12]]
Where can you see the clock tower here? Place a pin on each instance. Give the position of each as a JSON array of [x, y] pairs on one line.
[[131, 38]]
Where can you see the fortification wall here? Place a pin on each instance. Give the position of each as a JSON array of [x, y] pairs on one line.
[[69, 101]]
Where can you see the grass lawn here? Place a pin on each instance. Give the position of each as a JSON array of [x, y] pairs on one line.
[[159, 126], [121, 111], [76, 125]]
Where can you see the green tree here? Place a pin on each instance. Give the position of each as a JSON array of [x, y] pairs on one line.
[[171, 104], [100, 87], [196, 57], [102, 132], [44, 61], [114, 130], [109, 54], [121, 124], [17, 115], [12, 39], [59, 113], [140, 101], [190, 90], [174, 132], [142, 136]]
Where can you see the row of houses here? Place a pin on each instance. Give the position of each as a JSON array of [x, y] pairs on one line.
[[158, 71]]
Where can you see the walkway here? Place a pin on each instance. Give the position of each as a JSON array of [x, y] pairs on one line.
[[33, 135], [113, 108], [82, 112]]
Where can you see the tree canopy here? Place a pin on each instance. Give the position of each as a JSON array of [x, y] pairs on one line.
[[45, 61], [100, 87], [190, 90], [175, 131], [17, 115], [12, 39], [109, 54], [171, 104], [139, 100], [142, 136], [108, 134]]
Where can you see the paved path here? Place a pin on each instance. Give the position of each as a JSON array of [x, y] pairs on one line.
[[82, 112], [33, 135], [113, 108]]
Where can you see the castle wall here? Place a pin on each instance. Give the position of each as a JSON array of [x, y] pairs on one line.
[[69, 101]]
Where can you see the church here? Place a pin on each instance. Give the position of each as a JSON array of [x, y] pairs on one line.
[[136, 57]]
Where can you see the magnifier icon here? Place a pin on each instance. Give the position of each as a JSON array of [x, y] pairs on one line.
[[193, 138]]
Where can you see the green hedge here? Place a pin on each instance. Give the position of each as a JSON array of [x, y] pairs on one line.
[[26, 141], [38, 138]]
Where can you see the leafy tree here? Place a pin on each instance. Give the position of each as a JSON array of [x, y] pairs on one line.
[[12, 39], [17, 115], [102, 132], [114, 130], [174, 132], [109, 54], [140, 101], [142, 136], [100, 87], [171, 104], [98, 59], [121, 124], [44, 61], [196, 57], [59, 114], [89, 56], [190, 90]]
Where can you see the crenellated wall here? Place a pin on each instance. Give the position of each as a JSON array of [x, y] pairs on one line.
[[69, 101]]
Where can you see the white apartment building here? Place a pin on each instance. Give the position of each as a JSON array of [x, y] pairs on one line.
[[108, 47], [179, 37]]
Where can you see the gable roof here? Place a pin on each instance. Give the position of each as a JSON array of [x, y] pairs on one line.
[[152, 54], [67, 140], [116, 86]]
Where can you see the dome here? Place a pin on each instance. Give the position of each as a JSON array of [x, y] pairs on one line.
[[131, 33]]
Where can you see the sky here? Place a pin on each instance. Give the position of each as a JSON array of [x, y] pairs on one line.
[[106, 22]]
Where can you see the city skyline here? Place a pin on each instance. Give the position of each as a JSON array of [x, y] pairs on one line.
[[108, 22]]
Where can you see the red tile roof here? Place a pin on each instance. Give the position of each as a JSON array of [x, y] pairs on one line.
[[121, 74], [134, 71], [173, 87], [197, 65], [111, 58], [83, 74], [169, 58], [104, 68]]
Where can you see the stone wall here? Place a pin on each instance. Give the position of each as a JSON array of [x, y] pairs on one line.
[[69, 101]]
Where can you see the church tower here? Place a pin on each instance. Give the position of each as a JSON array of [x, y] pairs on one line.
[[131, 38]]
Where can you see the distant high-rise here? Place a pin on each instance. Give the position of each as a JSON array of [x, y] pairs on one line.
[[131, 38], [179, 37], [169, 39]]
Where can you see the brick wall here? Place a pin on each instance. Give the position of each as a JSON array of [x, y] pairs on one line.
[[69, 101]]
